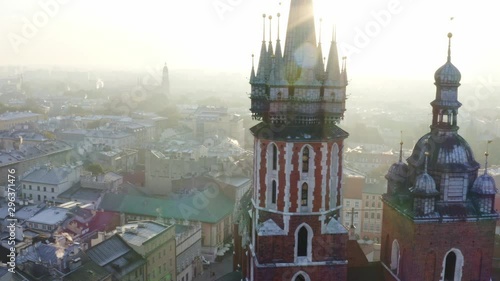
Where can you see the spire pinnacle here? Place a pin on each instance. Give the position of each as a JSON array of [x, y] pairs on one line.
[[486, 154], [426, 161], [263, 27], [270, 28], [401, 148], [279, 15], [334, 34], [450, 35], [320, 28]]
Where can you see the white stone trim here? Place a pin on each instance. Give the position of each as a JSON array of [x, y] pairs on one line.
[[257, 171], [295, 214], [312, 157], [288, 171], [459, 263], [324, 173], [310, 235], [304, 274], [334, 179], [310, 191]]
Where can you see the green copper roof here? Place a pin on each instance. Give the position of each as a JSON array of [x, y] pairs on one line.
[[201, 206]]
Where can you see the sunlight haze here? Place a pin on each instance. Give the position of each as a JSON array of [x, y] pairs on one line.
[[221, 35]]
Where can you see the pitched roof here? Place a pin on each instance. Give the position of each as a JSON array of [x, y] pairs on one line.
[[193, 207]]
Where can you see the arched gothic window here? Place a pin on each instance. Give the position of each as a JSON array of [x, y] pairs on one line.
[[305, 160], [275, 156], [395, 255], [300, 278], [302, 242], [304, 195]]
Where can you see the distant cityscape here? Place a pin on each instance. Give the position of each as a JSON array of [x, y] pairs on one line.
[[303, 174]]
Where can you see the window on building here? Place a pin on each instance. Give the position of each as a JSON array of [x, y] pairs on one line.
[[44, 189], [305, 160], [372, 215], [275, 156], [274, 192], [24, 186], [305, 194], [379, 204], [366, 215], [356, 204], [449, 271], [302, 242], [378, 216], [367, 204], [39, 197], [348, 203], [395, 257], [38, 188], [30, 186], [300, 278], [373, 204], [52, 189]]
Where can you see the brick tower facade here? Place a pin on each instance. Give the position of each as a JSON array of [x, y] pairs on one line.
[[438, 219], [293, 233]]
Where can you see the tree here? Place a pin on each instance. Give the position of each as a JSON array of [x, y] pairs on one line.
[[95, 169]]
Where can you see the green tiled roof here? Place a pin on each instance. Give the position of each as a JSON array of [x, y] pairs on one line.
[[195, 207]]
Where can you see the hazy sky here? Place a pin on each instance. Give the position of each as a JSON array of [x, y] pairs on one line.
[[222, 34]]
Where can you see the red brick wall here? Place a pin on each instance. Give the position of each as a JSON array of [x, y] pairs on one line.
[[420, 242], [282, 248], [295, 173], [316, 273]]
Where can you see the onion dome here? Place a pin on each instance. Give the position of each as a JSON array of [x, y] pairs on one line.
[[448, 73], [398, 172], [485, 184], [449, 152], [425, 184]]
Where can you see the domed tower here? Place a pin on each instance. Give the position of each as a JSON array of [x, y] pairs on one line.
[[297, 156], [484, 190], [438, 221]]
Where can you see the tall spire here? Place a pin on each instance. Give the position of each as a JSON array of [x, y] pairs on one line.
[[270, 50], [486, 154], [262, 70], [252, 74], [320, 66], [332, 68], [401, 148], [300, 45], [450, 35]]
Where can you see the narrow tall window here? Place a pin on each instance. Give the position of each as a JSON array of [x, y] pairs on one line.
[[395, 257], [275, 157], [302, 243], [449, 271], [304, 194], [274, 193], [305, 160]]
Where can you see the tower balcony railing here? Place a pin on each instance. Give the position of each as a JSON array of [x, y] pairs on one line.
[[298, 99]]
